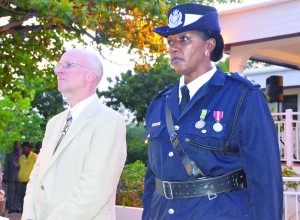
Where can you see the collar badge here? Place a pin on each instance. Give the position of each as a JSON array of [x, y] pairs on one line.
[[175, 19]]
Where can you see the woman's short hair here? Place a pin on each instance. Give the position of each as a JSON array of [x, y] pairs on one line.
[[217, 53]]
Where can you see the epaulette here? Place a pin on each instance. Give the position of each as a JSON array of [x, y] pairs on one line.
[[161, 92], [244, 79]]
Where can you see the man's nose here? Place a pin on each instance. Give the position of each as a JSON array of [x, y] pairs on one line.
[[58, 70]]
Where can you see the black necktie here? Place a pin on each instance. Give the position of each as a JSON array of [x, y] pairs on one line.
[[185, 97], [64, 130]]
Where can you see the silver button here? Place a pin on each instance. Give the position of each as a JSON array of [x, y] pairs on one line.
[[171, 154], [171, 211], [148, 136], [203, 131], [176, 127], [42, 187]]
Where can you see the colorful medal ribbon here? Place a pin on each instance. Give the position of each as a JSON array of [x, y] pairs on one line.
[[203, 114], [218, 115]]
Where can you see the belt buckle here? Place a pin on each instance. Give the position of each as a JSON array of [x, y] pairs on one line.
[[167, 184]]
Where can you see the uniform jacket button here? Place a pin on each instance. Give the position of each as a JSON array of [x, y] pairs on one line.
[[171, 154], [176, 127], [171, 211]]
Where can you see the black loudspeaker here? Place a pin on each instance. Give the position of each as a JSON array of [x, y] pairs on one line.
[[274, 88]]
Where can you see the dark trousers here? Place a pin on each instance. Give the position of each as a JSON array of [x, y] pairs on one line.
[[13, 196], [22, 194]]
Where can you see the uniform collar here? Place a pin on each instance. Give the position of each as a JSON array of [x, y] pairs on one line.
[[196, 84], [218, 79]]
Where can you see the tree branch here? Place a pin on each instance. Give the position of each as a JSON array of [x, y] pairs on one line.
[[26, 29], [17, 23]]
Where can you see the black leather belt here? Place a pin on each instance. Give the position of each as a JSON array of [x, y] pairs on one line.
[[201, 187]]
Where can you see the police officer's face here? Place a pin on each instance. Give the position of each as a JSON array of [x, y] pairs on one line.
[[187, 53]]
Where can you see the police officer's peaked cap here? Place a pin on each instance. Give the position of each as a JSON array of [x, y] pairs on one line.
[[187, 17]]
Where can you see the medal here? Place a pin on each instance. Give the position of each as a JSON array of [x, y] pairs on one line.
[[218, 115], [201, 123], [217, 127]]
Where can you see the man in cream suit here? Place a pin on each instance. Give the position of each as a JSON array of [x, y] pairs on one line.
[[76, 179]]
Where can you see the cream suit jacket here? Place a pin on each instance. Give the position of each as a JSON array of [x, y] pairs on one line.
[[79, 181]]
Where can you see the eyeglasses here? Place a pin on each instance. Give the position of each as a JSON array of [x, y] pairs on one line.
[[69, 66]]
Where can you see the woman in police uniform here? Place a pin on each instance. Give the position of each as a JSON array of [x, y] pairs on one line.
[[213, 151]]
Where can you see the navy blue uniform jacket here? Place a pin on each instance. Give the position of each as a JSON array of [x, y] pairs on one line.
[[248, 140]]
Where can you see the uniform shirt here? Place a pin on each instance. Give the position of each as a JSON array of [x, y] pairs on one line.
[[196, 84], [26, 166]]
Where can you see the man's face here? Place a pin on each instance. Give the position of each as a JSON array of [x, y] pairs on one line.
[[71, 72], [26, 150]]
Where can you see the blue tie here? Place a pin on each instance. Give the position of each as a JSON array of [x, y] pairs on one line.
[[185, 97]]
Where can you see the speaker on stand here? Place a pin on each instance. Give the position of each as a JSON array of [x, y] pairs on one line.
[[274, 90]]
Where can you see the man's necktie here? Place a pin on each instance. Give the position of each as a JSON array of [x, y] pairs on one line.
[[185, 97], [64, 130]]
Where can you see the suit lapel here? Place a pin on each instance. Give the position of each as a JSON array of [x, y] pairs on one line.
[[55, 132], [76, 127]]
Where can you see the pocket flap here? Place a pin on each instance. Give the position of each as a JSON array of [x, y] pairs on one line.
[[153, 132]]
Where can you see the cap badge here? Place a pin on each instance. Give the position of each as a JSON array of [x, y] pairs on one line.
[[175, 19]]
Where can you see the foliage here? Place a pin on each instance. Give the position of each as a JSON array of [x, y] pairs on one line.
[[135, 91], [18, 122], [48, 102], [289, 172], [36, 32], [136, 147], [131, 185], [252, 64], [137, 150], [224, 65]]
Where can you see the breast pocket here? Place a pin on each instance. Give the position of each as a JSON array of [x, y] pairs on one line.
[[156, 139], [207, 137], [211, 137]]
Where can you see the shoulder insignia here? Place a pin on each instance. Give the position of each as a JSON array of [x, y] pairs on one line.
[[244, 79], [163, 91]]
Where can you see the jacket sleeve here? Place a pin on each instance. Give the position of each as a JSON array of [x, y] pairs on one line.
[[29, 211], [30, 196], [260, 157], [149, 187], [29, 199]]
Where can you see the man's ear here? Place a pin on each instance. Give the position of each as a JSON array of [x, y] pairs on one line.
[[90, 76]]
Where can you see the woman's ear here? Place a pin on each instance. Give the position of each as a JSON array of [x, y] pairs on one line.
[[211, 44]]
